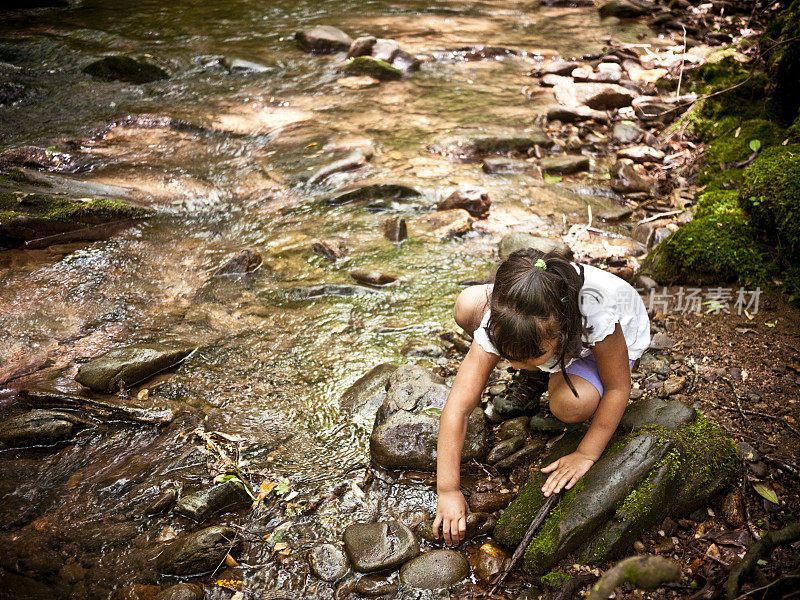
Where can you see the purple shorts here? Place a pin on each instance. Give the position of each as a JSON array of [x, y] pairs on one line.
[[586, 367]]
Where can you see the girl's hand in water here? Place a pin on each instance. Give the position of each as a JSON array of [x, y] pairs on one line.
[[565, 472], [451, 513]]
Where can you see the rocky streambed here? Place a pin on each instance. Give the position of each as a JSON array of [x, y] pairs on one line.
[[229, 263]]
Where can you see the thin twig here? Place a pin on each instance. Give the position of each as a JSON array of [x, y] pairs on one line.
[[735, 395], [683, 61], [750, 527]]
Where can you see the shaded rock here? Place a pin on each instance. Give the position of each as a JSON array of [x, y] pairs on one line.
[[489, 502], [654, 411], [505, 449], [38, 427], [518, 241], [661, 341], [641, 154], [372, 277], [355, 160], [599, 96], [671, 386], [364, 397], [32, 157], [434, 570], [125, 68], [557, 67], [572, 114], [197, 552], [421, 349], [10, 92], [488, 562], [443, 224], [163, 502], [649, 234], [222, 497], [330, 249], [395, 229], [626, 180], [328, 562], [182, 591], [124, 367], [513, 428], [747, 452], [379, 546], [241, 65], [373, 191], [366, 65], [361, 46], [626, 132], [407, 423], [475, 200], [332, 290], [525, 456], [564, 164], [733, 509], [625, 9], [385, 50], [247, 261], [468, 144], [504, 165], [376, 585], [323, 39], [617, 213]]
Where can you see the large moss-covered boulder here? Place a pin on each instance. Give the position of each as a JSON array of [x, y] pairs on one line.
[[666, 459], [781, 42], [770, 194]]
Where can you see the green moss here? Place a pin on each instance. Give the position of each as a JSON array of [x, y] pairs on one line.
[[13, 175], [7, 215], [638, 502], [555, 579], [709, 451], [771, 195], [717, 202], [781, 44]]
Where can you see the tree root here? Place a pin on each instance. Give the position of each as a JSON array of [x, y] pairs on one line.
[[571, 589], [769, 540], [645, 572]]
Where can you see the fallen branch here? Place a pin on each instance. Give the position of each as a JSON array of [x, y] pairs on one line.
[[769, 540], [644, 572], [538, 519]]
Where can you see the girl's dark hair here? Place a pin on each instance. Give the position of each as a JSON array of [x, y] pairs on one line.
[[532, 304]]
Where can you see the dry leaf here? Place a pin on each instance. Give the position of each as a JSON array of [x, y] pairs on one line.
[[230, 561]]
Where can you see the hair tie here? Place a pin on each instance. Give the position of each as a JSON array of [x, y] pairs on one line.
[[541, 264]]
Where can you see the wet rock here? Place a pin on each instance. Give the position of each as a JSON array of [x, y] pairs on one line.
[[328, 562], [378, 546], [355, 160], [421, 349], [627, 181], [358, 82], [241, 65], [361, 46], [556, 67], [478, 524], [222, 497], [625, 9], [617, 213], [364, 397], [513, 428], [654, 411], [435, 570], [330, 249], [475, 200], [32, 157], [483, 52], [182, 591], [377, 585], [525, 456], [406, 62], [367, 65], [489, 502], [11, 92], [38, 428], [572, 114], [518, 241], [372, 277], [395, 229], [247, 261], [125, 68], [641, 154], [197, 552], [503, 165], [407, 423], [331, 290], [323, 39], [488, 562], [163, 502], [626, 132], [443, 224], [505, 449], [565, 164], [468, 144], [373, 191], [124, 367]]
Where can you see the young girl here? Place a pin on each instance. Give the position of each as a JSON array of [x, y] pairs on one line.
[[582, 325]]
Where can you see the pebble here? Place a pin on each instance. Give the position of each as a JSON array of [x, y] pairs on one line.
[[497, 389]]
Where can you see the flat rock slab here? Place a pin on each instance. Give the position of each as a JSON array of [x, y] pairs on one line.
[[328, 562], [505, 166], [224, 496], [125, 68], [198, 552], [182, 591], [519, 241], [373, 191], [362, 399], [329, 290], [323, 39], [442, 224], [37, 427], [435, 570], [565, 164], [469, 144], [379, 546]]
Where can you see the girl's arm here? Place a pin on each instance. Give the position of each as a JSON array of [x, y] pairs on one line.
[[611, 354], [464, 396]]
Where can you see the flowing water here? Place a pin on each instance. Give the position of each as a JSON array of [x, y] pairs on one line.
[[270, 370]]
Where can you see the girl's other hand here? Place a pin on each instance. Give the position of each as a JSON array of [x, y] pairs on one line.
[[565, 472], [451, 513]]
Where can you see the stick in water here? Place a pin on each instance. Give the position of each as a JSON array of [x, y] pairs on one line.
[[526, 540]]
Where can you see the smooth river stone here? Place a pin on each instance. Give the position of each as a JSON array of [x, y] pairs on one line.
[[435, 570], [224, 496], [328, 562], [378, 546], [197, 552]]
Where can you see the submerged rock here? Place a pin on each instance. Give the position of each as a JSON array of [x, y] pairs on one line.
[[197, 552], [475, 200], [407, 423], [372, 277], [331, 249], [364, 397], [518, 241], [224, 496], [504, 165], [395, 229], [182, 591], [38, 427], [435, 570], [124, 367], [247, 261], [647, 472], [329, 289], [483, 52], [379, 546], [373, 191], [376, 585], [323, 39], [328, 562], [367, 65], [565, 164], [355, 160], [241, 65], [125, 68], [443, 224], [469, 144]]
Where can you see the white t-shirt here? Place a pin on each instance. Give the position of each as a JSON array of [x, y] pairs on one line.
[[605, 300]]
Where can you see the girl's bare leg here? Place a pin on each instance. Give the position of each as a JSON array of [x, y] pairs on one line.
[[563, 403]]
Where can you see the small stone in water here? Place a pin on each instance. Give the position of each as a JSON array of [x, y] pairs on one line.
[[358, 82], [395, 229], [372, 277], [497, 389]]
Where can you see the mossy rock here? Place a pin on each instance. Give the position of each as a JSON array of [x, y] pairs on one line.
[[781, 41], [739, 92], [641, 478], [770, 193], [366, 65]]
